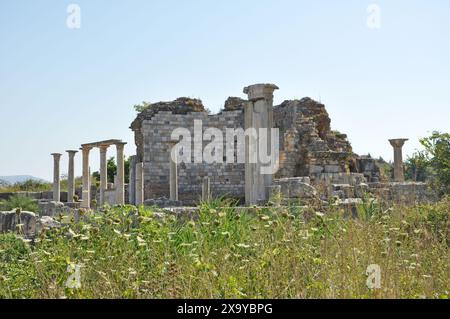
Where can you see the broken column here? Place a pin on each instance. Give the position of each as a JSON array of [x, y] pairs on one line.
[[56, 177], [71, 177], [139, 192], [206, 189], [120, 185], [397, 144], [86, 201], [173, 178], [132, 182], [103, 172], [258, 114]]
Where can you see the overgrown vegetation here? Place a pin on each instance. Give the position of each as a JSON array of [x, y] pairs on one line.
[[432, 163], [225, 253], [142, 107], [19, 201], [112, 171], [27, 186]]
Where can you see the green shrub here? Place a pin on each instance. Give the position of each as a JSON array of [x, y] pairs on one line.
[[437, 148], [19, 201]]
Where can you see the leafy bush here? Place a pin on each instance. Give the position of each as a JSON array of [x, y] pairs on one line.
[[19, 201], [12, 248], [437, 150], [433, 163], [417, 167]]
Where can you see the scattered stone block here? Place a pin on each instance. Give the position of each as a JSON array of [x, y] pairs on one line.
[[162, 202], [23, 223], [50, 208], [296, 187], [46, 222]]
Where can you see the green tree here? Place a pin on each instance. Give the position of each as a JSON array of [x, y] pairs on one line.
[[437, 152], [417, 167], [112, 170]]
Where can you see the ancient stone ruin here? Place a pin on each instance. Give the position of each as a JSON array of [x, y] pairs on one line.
[[315, 163], [310, 152]]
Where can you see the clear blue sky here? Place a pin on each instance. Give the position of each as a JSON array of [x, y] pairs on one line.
[[60, 88]]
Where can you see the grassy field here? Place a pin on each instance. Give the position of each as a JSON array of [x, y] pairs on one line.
[[266, 253]]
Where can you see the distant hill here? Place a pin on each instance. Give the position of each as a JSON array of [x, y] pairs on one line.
[[11, 180]]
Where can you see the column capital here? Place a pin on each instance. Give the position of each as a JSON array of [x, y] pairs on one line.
[[72, 152], [86, 148], [258, 91], [103, 147], [121, 145], [56, 155], [398, 142]]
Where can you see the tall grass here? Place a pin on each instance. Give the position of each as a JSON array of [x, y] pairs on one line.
[[228, 253]]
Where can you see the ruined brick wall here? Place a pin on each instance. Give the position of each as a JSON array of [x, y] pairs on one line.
[[308, 146], [226, 179]]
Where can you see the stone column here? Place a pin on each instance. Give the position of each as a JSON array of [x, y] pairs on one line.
[[139, 183], [173, 178], [120, 187], [132, 183], [258, 114], [56, 177], [86, 197], [397, 144], [71, 177], [206, 189], [103, 173]]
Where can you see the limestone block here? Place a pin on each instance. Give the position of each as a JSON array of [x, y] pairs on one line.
[[411, 192], [296, 188], [346, 189], [46, 222], [50, 208], [332, 169], [9, 222]]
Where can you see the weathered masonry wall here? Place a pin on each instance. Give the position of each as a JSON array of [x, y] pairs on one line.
[[225, 179], [308, 146]]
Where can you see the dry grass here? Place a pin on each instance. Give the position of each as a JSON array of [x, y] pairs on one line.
[[222, 254]]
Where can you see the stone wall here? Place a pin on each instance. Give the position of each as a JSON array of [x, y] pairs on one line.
[[226, 179], [308, 146], [404, 193]]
